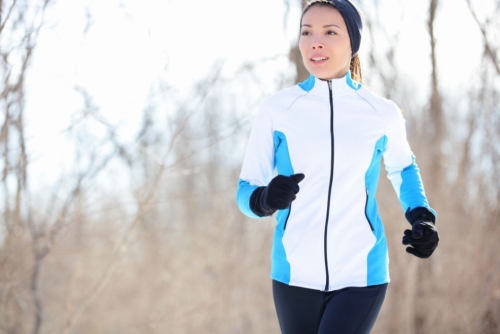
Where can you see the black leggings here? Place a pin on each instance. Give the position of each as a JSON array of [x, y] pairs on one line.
[[345, 311]]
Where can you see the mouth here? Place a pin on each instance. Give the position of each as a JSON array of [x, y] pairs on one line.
[[318, 59]]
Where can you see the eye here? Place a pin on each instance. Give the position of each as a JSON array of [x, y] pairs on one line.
[[331, 32], [305, 33]]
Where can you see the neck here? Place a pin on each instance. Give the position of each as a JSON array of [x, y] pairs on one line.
[[336, 77]]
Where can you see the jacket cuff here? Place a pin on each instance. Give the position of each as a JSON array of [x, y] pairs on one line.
[[420, 213], [257, 203]]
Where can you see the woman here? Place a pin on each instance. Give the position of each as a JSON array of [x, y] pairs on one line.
[[329, 257]]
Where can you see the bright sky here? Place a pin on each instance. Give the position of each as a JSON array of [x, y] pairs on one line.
[[130, 42]]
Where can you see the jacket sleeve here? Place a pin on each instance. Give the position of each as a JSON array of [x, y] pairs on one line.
[[258, 164], [401, 166]]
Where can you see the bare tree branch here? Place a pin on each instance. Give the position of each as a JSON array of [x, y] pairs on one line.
[[11, 8], [436, 113], [489, 50]]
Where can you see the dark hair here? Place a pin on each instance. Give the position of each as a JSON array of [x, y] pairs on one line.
[[355, 66]]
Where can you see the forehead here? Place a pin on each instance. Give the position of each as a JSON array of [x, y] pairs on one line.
[[323, 15]]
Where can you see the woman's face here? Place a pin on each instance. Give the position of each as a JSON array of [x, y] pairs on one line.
[[324, 43]]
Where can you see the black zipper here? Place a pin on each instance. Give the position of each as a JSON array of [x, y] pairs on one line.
[[286, 221], [330, 185], [366, 206]]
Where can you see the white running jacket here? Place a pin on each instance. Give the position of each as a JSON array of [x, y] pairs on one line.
[[335, 132]]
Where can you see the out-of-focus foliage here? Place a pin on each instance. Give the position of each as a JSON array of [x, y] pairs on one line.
[[169, 252]]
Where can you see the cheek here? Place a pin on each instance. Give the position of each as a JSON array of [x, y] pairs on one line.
[[302, 48], [304, 55], [343, 48], [342, 54]]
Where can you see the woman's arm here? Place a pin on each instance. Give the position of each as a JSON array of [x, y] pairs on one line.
[[401, 166], [258, 164], [404, 174]]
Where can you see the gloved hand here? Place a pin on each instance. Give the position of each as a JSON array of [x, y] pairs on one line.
[[423, 236], [278, 194]]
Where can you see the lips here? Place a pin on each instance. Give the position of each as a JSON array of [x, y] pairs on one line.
[[316, 59]]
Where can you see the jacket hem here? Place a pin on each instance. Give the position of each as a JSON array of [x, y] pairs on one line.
[[331, 287]]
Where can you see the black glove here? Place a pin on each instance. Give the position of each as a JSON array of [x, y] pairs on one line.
[[423, 236], [278, 194]]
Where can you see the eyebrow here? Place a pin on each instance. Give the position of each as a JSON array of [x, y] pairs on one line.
[[325, 26]]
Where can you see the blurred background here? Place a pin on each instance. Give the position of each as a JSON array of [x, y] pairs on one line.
[[122, 132]]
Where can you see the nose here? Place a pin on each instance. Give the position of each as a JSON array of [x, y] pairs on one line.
[[316, 44]]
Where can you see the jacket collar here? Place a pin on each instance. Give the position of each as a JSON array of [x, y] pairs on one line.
[[340, 86]]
